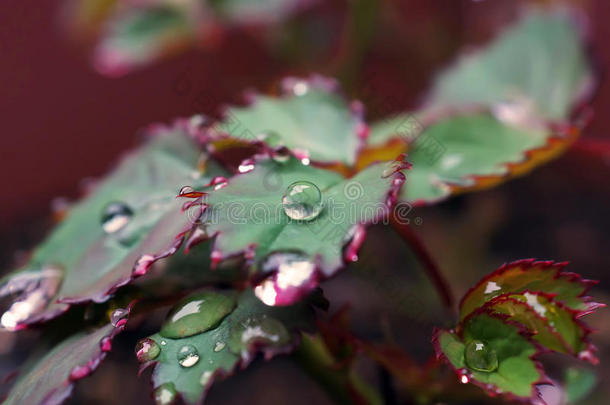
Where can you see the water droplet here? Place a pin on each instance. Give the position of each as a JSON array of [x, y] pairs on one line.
[[219, 346], [147, 350], [260, 330], [185, 190], [480, 356], [300, 88], [188, 356], [163, 343], [293, 277], [281, 154], [196, 314], [115, 216], [391, 168], [219, 182], [34, 290], [464, 379], [118, 317], [302, 201], [246, 166], [165, 394], [205, 378]]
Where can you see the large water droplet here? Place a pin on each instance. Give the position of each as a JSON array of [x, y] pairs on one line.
[[257, 331], [115, 216], [165, 394], [33, 290], [147, 350], [197, 313], [188, 356], [480, 356], [302, 201]]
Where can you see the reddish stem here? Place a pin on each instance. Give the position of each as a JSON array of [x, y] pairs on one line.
[[425, 258]]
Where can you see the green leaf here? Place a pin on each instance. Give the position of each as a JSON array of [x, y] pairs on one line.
[[579, 382], [247, 216], [259, 12], [142, 34], [85, 260], [251, 328], [310, 117], [515, 373], [547, 277], [49, 378], [540, 60], [496, 115]]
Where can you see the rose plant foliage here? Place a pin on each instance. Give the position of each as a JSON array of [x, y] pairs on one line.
[[242, 219]]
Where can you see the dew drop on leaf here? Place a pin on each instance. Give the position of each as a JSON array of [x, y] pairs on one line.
[[293, 277], [115, 216], [34, 289], [281, 154], [302, 201], [480, 356], [118, 317], [197, 314], [165, 394], [258, 330], [188, 356], [219, 346], [205, 378], [147, 350]]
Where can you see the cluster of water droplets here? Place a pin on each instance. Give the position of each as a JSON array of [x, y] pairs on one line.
[[33, 289]]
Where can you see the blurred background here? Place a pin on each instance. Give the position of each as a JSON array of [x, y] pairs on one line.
[[62, 122]]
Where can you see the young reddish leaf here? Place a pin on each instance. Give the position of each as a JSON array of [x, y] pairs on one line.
[[50, 378], [188, 366], [310, 117], [292, 221], [555, 326], [529, 275], [493, 354], [511, 315], [115, 234]]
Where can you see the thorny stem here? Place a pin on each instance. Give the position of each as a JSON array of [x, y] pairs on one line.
[[425, 258]]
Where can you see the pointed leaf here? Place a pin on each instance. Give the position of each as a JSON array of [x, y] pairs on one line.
[[250, 328], [248, 216], [540, 59], [85, 258], [530, 275], [310, 117], [516, 372], [50, 378]]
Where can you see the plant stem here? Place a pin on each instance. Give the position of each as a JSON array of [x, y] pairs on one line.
[[425, 258]]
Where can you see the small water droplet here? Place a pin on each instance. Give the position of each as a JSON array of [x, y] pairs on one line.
[[34, 290], [464, 379], [391, 168], [115, 216], [302, 201], [219, 182], [185, 190], [258, 330], [163, 343], [196, 314], [205, 378], [246, 166], [118, 317], [281, 154], [147, 350], [300, 88], [165, 394], [188, 356], [219, 346], [480, 356]]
